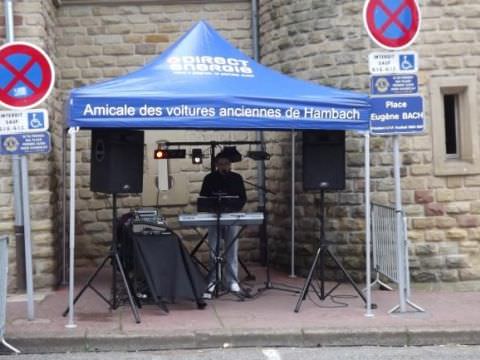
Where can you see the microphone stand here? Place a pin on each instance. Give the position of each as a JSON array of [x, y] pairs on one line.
[[264, 240]]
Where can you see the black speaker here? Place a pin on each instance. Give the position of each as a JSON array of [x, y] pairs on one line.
[[324, 160], [116, 164]]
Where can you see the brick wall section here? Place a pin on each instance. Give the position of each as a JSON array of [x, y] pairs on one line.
[[325, 42]]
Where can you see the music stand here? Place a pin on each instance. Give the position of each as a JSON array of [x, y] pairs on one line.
[[218, 204], [117, 265], [263, 236], [322, 251]]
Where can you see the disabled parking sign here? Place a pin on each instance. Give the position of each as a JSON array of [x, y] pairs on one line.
[[25, 121], [392, 24], [26, 75]]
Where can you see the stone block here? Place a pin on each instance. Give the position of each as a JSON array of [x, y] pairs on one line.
[[426, 249], [424, 276], [95, 227], [454, 182], [457, 234], [423, 223], [473, 234], [432, 262], [466, 194], [457, 208], [445, 222], [434, 209], [41, 225], [449, 275], [444, 195], [469, 274], [469, 247], [417, 170], [468, 220], [423, 196], [123, 49], [457, 261]]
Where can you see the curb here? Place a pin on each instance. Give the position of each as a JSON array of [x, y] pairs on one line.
[[247, 338]]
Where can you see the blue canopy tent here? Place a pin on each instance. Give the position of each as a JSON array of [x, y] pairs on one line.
[[203, 82]]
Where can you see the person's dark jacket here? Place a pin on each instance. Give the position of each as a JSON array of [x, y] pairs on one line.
[[229, 183]]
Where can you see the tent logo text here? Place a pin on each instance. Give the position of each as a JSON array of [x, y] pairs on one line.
[[210, 65]]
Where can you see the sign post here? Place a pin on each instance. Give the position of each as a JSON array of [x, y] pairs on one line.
[[397, 108], [26, 79]]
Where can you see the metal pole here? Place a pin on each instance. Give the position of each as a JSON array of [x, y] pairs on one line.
[[292, 210], [367, 225], [28, 239], [71, 286], [259, 136], [399, 223], [16, 172], [63, 280]]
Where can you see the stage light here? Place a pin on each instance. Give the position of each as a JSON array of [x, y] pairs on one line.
[[258, 155], [160, 154], [197, 156]]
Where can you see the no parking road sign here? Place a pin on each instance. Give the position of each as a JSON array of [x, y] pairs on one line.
[[392, 24], [26, 75]]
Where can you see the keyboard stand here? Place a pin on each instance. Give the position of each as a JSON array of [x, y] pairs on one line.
[[249, 277]]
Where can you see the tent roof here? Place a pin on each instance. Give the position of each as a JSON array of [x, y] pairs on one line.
[[202, 81]]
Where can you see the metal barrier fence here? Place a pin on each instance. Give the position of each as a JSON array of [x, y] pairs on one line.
[[390, 252], [3, 290], [384, 242]]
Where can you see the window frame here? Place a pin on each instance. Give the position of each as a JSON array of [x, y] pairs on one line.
[[467, 160]]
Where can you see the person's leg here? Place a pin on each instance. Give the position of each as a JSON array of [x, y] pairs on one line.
[[212, 248], [231, 256]]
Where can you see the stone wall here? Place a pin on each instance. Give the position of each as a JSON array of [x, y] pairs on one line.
[[325, 42]]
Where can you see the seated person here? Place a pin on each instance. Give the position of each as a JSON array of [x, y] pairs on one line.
[[225, 182]]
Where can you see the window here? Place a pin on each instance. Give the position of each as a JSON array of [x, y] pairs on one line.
[[450, 106], [454, 126]]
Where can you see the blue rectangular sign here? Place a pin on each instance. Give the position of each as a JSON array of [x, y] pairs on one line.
[[393, 84], [397, 115], [20, 144]]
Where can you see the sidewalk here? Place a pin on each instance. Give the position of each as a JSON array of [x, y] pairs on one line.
[[266, 320]]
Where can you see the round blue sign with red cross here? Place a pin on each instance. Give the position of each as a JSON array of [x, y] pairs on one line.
[[26, 75], [392, 24]]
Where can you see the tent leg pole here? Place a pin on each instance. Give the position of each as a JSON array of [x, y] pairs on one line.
[[367, 225], [292, 210], [71, 286]]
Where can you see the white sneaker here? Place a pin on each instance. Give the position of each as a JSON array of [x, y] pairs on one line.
[[211, 287], [234, 287], [209, 291]]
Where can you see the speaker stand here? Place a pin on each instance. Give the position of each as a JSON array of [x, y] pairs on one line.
[[319, 260], [117, 265]]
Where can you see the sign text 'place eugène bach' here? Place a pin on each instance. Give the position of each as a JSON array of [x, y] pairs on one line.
[[397, 115]]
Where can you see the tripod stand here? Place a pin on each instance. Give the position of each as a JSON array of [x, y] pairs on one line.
[[117, 265], [218, 261], [319, 259]]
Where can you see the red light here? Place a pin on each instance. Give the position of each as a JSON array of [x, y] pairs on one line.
[[160, 154]]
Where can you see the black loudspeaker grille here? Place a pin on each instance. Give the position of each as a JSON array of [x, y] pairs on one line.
[[116, 164], [324, 160]]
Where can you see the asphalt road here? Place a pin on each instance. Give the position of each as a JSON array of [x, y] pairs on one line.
[[351, 353]]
